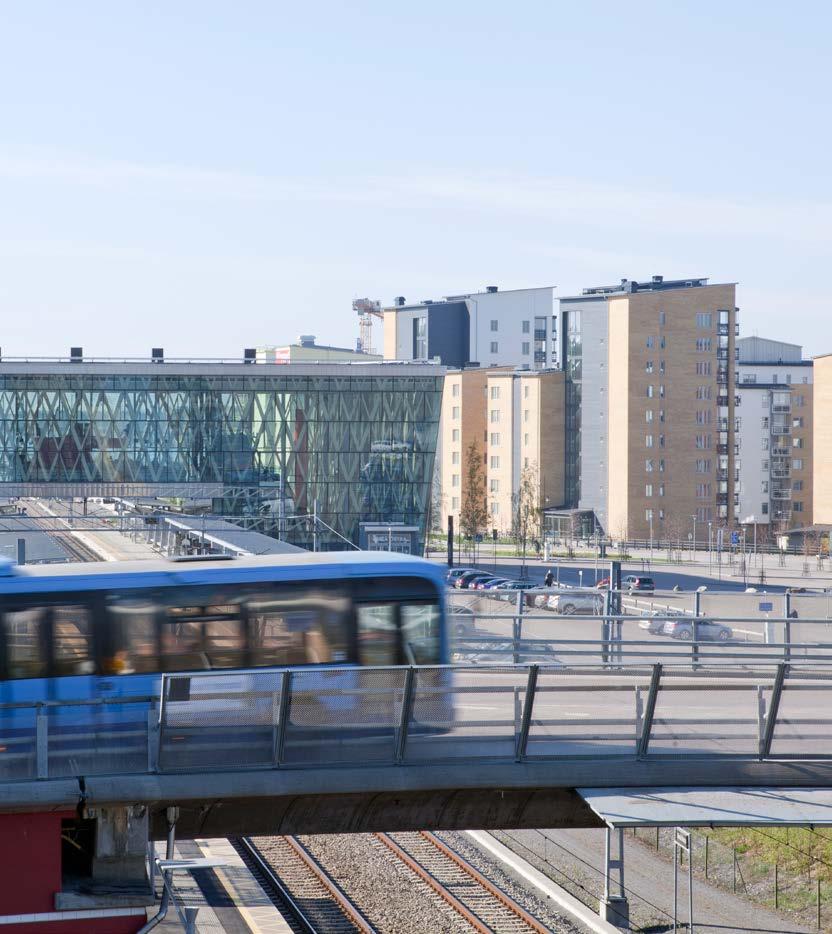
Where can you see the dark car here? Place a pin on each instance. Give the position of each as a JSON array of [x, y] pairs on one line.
[[639, 582], [484, 582], [707, 630], [469, 578], [454, 573]]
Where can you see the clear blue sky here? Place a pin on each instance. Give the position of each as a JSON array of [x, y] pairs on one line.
[[207, 176]]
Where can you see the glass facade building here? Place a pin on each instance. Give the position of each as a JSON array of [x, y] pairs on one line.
[[351, 443]]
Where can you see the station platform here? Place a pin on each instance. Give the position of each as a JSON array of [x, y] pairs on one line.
[[230, 900]]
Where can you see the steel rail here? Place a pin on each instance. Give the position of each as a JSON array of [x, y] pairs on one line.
[[347, 908], [426, 876]]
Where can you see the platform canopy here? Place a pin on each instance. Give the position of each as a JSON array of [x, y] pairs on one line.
[[710, 807]]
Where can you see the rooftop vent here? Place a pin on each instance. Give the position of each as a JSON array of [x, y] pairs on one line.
[[76, 354], [157, 354], [249, 355], [306, 340], [657, 280], [491, 288], [426, 301], [399, 300]]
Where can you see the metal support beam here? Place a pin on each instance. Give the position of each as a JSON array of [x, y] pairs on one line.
[[525, 723], [282, 717], [771, 713], [649, 711], [405, 713]]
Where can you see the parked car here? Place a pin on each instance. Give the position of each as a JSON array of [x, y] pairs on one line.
[[575, 602], [638, 582], [455, 573], [461, 620], [492, 584], [484, 582], [508, 591], [654, 624], [708, 630], [470, 579]]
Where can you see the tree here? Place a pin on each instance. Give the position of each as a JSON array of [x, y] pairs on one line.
[[473, 516], [527, 509]]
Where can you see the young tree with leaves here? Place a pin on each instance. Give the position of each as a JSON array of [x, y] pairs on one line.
[[526, 510], [473, 516]]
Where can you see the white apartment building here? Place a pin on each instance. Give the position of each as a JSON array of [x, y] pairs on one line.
[[774, 432]]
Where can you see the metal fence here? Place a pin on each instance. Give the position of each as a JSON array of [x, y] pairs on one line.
[[389, 717]]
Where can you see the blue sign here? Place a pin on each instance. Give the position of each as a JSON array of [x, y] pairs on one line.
[[766, 607], [735, 538]]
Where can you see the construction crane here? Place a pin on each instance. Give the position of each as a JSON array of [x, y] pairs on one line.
[[367, 310]]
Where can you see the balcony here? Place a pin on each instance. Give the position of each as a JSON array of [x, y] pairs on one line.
[[722, 449], [722, 499], [781, 409], [539, 335], [780, 474], [781, 430], [781, 494]]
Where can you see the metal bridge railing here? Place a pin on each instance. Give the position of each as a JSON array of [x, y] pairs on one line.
[[396, 717]]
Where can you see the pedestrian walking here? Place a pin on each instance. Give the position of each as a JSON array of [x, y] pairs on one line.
[[549, 579]]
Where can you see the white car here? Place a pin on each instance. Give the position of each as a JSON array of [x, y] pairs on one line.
[[576, 602]]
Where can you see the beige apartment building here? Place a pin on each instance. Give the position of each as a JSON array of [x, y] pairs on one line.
[[516, 420], [651, 407], [822, 440]]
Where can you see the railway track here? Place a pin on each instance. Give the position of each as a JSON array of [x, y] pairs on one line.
[[57, 528], [485, 906], [305, 888]]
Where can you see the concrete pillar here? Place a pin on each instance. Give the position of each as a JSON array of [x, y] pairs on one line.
[[121, 835]]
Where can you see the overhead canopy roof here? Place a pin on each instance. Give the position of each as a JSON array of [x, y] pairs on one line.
[[727, 807]]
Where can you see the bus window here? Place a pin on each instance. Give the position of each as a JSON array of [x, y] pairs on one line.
[[378, 642], [130, 646], [420, 633], [298, 627], [204, 635], [72, 651], [25, 649]]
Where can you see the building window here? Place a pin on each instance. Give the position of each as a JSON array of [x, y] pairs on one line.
[[455, 435], [495, 416], [661, 465], [420, 338], [648, 441], [455, 390], [648, 367], [765, 466], [703, 367], [797, 422], [797, 507], [764, 486], [455, 457], [703, 344], [662, 318], [764, 508], [495, 509], [661, 415], [705, 320], [648, 489], [525, 392], [703, 417], [455, 480], [797, 486], [525, 415], [797, 442], [764, 422], [494, 346], [524, 348], [494, 324], [494, 486], [454, 504], [703, 465], [703, 442], [648, 415], [455, 412], [661, 490], [703, 392], [661, 391], [648, 515], [648, 465], [797, 463], [495, 462], [650, 342], [764, 443], [526, 440], [495, 439], [525, 327], [495, 392], [650, 391]]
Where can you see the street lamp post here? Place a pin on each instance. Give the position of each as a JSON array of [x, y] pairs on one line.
[[694, 537], [710, 549]]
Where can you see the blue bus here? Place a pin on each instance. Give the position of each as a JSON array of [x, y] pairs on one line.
[[99, 630]]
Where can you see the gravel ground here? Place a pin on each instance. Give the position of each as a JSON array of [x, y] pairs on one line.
[[391, 897], [574, 859]]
